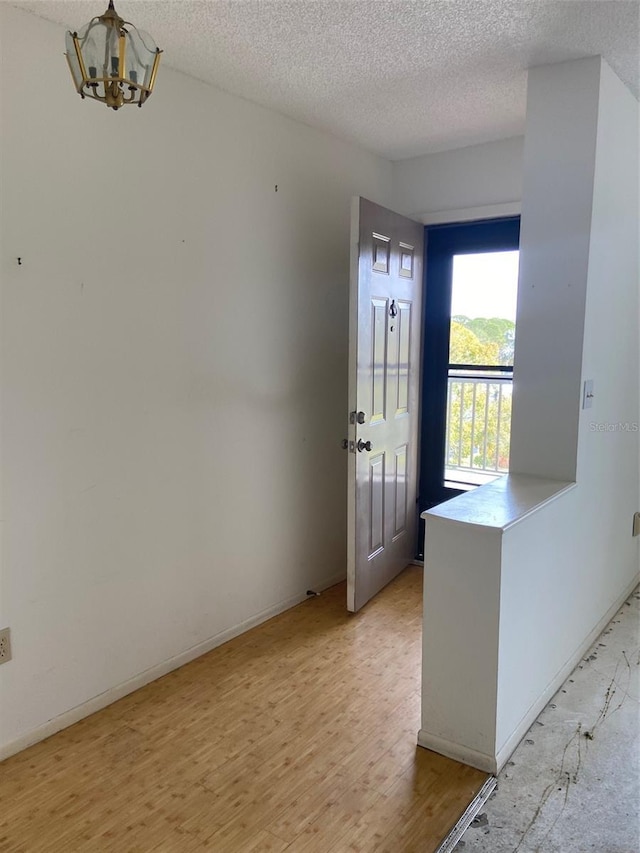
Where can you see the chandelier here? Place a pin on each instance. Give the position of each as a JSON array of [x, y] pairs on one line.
[[112, 62]]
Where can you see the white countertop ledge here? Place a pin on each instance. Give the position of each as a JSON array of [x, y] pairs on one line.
[[502, 503]]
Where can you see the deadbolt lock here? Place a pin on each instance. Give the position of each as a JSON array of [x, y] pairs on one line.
[[357, 417]]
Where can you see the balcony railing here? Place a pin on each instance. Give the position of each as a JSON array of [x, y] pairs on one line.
[[478, 425]]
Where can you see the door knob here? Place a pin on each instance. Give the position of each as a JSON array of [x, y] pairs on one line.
[[364, 445]]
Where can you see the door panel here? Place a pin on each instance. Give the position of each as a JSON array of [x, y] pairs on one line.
[[400, 490], [376, 501], [404, 357], [378, 360], [384, 355]]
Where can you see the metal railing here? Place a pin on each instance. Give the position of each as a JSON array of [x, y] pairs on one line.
[[478, 424]]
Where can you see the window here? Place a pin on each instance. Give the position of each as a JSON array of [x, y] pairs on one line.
[[480, 376], [467, 370]]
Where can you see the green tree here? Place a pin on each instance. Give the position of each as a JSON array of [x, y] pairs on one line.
[[466, 348], [496, 331]]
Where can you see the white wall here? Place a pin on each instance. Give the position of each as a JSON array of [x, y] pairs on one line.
[[555, 599], [578, 308], [481, 180], [566, 566], [607, 451], [174, 359], [460, 639], [559, 163], [486, 601]]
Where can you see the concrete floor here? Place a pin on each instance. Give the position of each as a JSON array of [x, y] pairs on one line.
[[573, 783]]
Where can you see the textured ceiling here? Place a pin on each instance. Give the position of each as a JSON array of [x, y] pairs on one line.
[[398, 77]]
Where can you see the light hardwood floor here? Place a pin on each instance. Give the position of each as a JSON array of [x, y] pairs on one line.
[[299, 736]]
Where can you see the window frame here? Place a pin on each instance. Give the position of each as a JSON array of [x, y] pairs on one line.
[[442, 242]]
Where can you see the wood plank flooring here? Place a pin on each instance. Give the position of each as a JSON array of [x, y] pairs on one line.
[[300, 735]]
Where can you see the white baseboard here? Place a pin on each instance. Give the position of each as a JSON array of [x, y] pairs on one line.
[[494, 763], [97, 703], [457, 751], [506, 750]]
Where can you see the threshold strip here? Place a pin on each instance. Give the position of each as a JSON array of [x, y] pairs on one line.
[[468, 815]]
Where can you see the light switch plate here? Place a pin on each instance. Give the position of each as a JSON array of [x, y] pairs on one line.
[[587, 394]]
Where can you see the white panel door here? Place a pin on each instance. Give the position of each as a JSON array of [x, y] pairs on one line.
[[384, 359]]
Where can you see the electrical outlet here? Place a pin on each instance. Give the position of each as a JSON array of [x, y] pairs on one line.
[[636, 524], [5, 645]]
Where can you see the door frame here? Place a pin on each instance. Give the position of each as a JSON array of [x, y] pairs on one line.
[[442, 241]]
